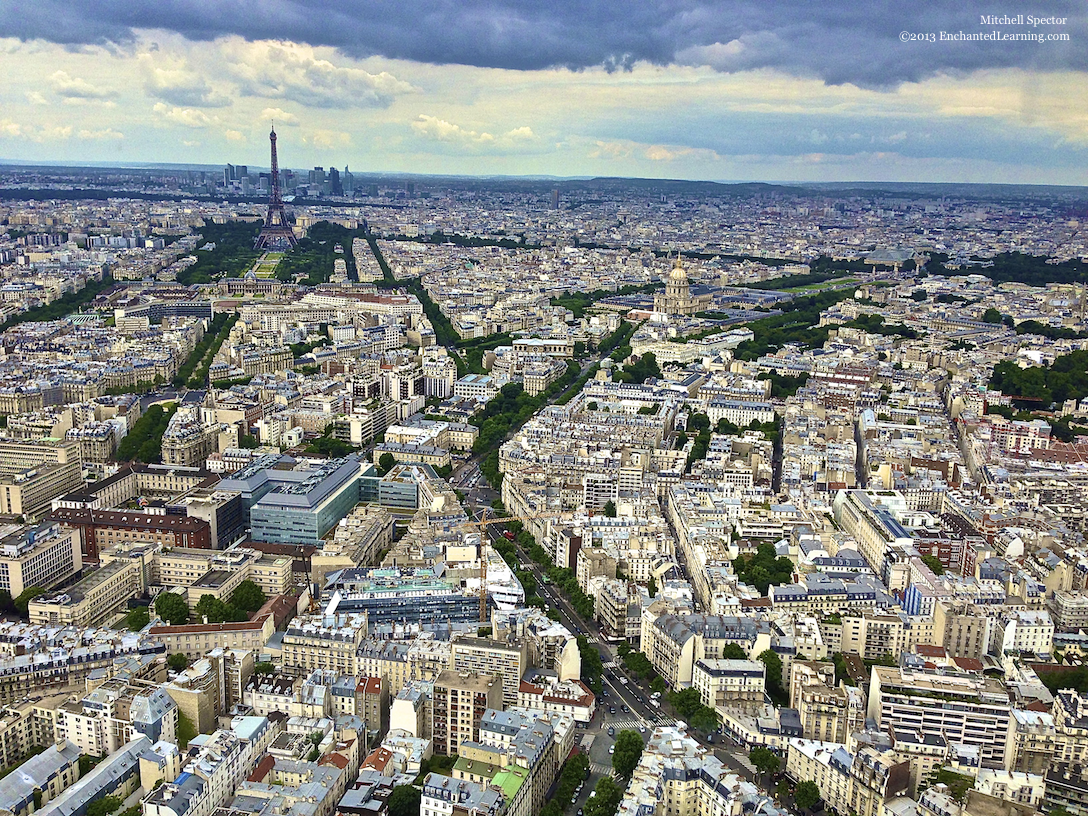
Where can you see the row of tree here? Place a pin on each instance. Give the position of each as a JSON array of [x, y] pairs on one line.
[[246, 599], [144, 440]]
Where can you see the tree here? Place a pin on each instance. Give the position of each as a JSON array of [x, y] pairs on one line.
[[628, 752], [991, 315], [579, 349], [264, 667], [774, 677], [734, 651], [213, 609], [104, 806], [248, 597], [172, 608], [919, 295], [651, 587], [607, 797], [137, 619], [7, 603], [934, 563], [807, 795], [385, 463], [22, 603], [764, 760], [177, 662], [610, 508], [404, 801]]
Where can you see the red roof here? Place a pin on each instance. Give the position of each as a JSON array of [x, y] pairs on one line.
[[263, 769], [369, 685]]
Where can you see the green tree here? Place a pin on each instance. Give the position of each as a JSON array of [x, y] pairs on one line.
[[610, 509], [7, 603], [137, 619], [104, 806], [172, 608], [607, 797], [248, 597], [651, 587], [22, 603], [404, 801], [774, 677], [807, 795], [213, 609], [177, 661], [734, 651], [386, 462], [264, 667], [764, 760], [991, 315], [934, 563], [579, 349], [628, 752]]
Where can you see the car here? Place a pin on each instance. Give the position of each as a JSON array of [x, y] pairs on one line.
[[611, 731], [574, 801], [611, 709], [579, 812], [509, 536], [710, 738], [623, 680], [611, 749], [626, 710]]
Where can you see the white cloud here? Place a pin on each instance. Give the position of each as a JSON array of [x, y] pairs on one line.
[[278, 116], [187, 117], [327, 139], [285, 70], [235, 136], [35, 98], [70, 87], [107, 134], [669, 153], [170, 78], [432, 128], [33, 133]]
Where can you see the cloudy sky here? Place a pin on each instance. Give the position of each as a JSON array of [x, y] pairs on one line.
[[776, 90]]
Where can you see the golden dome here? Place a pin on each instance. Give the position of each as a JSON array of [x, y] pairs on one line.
[[678, 275]]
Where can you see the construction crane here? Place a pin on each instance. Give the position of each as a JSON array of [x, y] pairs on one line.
[[481, 526]]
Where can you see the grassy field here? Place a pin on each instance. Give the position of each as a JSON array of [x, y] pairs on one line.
[[819, 287]]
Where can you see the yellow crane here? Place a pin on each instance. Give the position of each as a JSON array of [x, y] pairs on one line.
[[481, 526]]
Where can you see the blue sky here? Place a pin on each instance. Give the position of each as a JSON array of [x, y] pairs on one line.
[[790, 90]]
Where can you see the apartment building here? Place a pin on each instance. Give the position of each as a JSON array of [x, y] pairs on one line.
[[330, 644], [487, 657], [965, 708], [724, 683], [458, 706]]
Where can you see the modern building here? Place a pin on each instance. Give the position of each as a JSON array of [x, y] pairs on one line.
[[41, 556], [458, 706], [297, 506], [392, 595], [93, 598], [961, 708]]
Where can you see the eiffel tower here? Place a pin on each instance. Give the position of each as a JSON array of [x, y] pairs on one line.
[[276, 232]]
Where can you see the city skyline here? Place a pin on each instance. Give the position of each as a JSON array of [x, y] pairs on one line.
[[704, 92]]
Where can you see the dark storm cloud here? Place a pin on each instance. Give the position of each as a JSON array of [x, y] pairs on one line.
[[838, 41]]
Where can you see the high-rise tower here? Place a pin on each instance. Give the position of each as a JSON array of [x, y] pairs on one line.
[[276, 232]]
